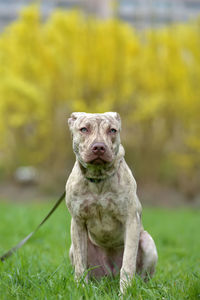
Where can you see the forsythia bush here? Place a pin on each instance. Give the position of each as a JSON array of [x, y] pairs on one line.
[[70, 63]]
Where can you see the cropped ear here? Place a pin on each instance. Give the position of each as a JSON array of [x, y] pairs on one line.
[[74, 116], [117, 116], [114, 115], [72, 119]]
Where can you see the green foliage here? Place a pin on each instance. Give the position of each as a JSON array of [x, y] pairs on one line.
[[68, 62], [41, 269]]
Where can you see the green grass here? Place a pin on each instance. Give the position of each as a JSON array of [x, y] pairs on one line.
[[41, 269]]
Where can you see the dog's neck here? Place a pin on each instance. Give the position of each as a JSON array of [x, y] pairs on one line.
[[99, 173], [95, 180]]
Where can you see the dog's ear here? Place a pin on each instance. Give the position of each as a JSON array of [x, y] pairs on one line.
[[114, 115], [117, 116], [74, 116], [72, 119]]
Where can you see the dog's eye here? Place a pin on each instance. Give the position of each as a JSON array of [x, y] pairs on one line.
[[113, 130], [84, 129]]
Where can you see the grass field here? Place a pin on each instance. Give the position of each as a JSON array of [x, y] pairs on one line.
[[41, 269]]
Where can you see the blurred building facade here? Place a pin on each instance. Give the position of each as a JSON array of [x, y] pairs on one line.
[[139, 13], [156, 13]]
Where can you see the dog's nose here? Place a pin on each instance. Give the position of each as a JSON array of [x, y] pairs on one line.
[[99, 148]]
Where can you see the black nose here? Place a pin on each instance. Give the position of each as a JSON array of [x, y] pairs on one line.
[[99, 148]]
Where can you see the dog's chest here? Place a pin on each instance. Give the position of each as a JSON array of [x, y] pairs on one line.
[[99, 206], [104, 218]]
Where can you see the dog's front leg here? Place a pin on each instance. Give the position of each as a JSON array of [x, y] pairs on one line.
[[79, 242], [132, 233]]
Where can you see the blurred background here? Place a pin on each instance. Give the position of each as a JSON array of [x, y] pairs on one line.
[[140, 58]]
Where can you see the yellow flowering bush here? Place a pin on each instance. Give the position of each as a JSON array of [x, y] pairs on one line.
[[69, 63]]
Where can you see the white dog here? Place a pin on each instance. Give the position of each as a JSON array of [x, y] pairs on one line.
[[106, 227]]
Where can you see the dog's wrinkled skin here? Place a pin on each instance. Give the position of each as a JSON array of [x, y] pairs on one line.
[[106, 228]]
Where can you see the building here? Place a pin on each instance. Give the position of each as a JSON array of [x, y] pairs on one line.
[[139, 13], [156, 13]]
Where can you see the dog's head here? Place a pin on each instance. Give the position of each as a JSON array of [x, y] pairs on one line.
[[96, 137]]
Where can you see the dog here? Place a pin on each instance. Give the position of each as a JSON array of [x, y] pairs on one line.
[[106, 228]]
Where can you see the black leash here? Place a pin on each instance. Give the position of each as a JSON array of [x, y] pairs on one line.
[[21, 243]]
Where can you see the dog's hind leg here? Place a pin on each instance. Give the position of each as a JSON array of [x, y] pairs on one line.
[[147, 256]]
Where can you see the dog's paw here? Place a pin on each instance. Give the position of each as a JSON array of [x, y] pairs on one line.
[[125, 281]]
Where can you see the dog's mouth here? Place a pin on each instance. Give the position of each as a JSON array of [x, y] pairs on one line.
[[98, 161]]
